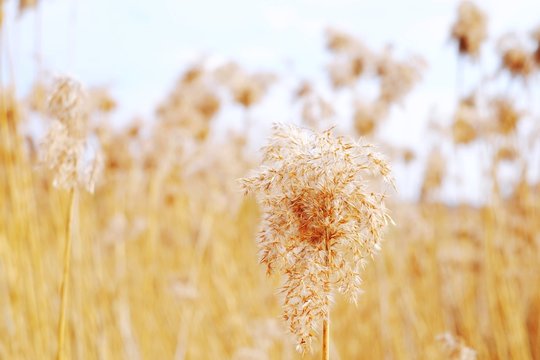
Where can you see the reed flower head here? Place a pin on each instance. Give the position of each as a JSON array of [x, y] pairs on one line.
[[190, 107], [320, 221], [246, 89], [340, 42], [397, 78], [368, 116], [465, 119], [434, 174], [469, 30], [351, 58], [518, 62], [63, 150], [517, 59], [506, 115], [26, 4]]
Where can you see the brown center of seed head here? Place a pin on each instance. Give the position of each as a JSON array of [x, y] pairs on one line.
[[314, 212]]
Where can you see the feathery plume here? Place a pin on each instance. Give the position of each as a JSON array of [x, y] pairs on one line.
[[518, 62], [506, 116], [63, 149], [367, 116], [469, 30], [434, 174], [397, 78], [465, 119], [320, 221]]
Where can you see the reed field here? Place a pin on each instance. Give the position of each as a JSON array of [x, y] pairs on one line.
[[175, 238]]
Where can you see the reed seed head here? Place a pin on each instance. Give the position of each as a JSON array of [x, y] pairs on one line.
[[434, 175], [397, 78], [63, 149], [466, 116], [506, 115], [518, 62], [367, 117], [341, 43], [320, 220], [26, 4], [469, 30]]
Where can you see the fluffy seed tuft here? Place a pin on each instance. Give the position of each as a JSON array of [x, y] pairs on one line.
[[63, 149], [320, 221]]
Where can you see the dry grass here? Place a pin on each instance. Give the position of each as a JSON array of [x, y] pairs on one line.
[[163, 262], [190, 284]]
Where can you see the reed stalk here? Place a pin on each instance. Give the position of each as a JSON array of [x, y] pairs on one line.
[[64, 288]]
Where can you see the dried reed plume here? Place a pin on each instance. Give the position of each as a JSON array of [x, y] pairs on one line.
[[506, 115], [26, 4], [465, 119], [64, 145], [352, 58], [101, 100], [517, 61], [339, 42], [367, 117], [506, 153], [320, 221], [191, 106], [434, 174], [515, 57], [397, 78], [469, 30], [246, 89]]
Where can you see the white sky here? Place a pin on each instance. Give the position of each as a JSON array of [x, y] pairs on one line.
[[139, 47]]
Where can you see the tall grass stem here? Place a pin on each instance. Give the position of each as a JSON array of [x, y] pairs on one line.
[[65, 276]]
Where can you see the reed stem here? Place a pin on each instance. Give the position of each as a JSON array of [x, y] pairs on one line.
[[326, 338], [326, 322], [65, 276]]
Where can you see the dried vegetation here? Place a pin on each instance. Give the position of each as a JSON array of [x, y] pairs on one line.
[[163, 258]]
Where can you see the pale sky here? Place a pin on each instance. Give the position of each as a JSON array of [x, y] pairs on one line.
[[138, 48]]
